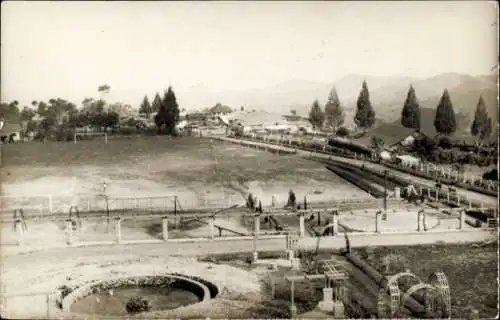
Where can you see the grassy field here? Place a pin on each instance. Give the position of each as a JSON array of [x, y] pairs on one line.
[[193, 169], [471, 271], [198, 172]]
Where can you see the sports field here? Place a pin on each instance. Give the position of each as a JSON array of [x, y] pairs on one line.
[[199, 172], [157, 166]]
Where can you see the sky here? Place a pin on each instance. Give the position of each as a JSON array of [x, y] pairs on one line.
[[67, 49]]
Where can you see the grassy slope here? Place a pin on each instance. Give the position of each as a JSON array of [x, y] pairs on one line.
[[471, 272]]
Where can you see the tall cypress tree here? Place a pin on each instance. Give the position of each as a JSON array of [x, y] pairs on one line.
[[334, 113], [169, 112], [146, 107], [365, 115], [156, 103], [410, 116], [480, 118], [445, 122], [316, 115]]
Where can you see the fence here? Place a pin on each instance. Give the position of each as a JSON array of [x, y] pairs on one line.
[[47, 205], [50, 205], [429, 170]]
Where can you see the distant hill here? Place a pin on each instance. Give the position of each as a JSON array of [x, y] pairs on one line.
[[386, 93]]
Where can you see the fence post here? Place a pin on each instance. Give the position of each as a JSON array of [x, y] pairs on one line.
[[47, 302], [50, 204]]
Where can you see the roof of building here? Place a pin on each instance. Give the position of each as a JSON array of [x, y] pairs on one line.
[[390, 133], [10, 128]]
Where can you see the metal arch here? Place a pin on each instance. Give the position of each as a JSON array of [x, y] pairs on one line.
[[382, 304], [414, 289], [440, 282], [329, 226], [394, 296], [395, 278]]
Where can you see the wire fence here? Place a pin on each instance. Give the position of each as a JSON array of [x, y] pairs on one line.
[[50, 205], [47, 205]]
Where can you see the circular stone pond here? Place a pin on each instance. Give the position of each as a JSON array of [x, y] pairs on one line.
[[154, 293]]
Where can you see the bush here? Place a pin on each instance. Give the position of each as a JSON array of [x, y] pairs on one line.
[[137, 304], [445, 142], [491, 175], [342, 132]]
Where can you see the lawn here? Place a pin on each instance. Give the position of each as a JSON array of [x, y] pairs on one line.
[[200, 172], [471, 271]]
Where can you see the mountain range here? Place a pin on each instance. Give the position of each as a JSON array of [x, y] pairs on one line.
[[387, 95]]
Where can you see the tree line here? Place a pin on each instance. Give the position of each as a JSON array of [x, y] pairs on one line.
[[57, 117], [445, 123], [166, 109]]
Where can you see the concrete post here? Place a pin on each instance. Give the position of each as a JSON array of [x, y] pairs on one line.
[[437, 195], [328, 294], [164, 227], [118, 227], [301, 225], [327, 303], [397, 193], [448, 197], [69, 232], [255, 257], [211, 227], [273, 201], [462, 219], [20, 232], [424, 220], [256, 225], [378, 222], [335, 222], [419, 221], [293, 311], [429, 193], [458, 200], [50, 204]]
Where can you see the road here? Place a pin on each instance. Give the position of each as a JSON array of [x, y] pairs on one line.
[[475, 197], [206, 247]]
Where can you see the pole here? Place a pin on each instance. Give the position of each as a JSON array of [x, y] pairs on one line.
[[384, 216], [107, 212]]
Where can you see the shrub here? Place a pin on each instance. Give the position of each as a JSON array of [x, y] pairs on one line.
[[445, 142], [491, 175], [342, 132], [137, 304]]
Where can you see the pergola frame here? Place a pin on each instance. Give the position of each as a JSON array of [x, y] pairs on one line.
[[331, 276]]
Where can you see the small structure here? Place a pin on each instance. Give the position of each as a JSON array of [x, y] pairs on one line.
[[334, 291], [408, 160]]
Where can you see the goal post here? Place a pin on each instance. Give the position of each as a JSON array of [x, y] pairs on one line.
[[90, 134]]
